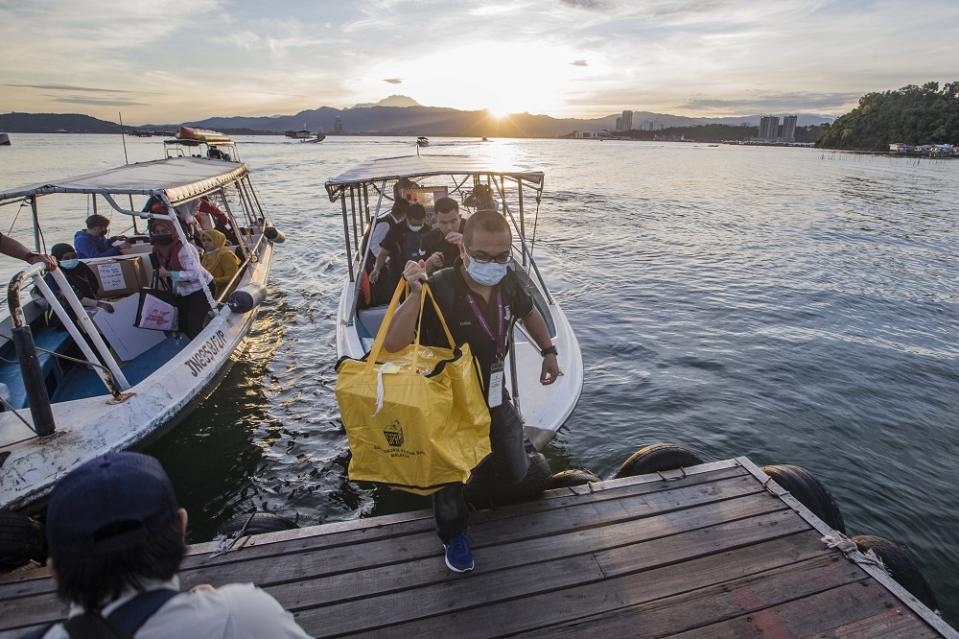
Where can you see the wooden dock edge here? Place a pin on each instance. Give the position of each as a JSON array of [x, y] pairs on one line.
[[870, 566]]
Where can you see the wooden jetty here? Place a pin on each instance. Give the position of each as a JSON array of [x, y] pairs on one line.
[[716, 550]]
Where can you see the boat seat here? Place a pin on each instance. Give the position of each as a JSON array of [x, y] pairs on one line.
[[369, 321], [56, 340]]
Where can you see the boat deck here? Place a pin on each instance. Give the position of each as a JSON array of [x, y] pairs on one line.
[[713, 551]]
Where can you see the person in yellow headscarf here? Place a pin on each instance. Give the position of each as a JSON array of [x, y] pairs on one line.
[[218, 259]]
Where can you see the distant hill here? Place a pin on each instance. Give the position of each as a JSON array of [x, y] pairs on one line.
[[395, 115], [54, 123], [912, 114]]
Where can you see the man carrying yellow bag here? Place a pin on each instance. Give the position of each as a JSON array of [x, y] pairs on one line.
[[480, 299], [416, 419]]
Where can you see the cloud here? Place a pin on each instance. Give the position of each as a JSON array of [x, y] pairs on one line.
[[76, 99], [754, 103], [585, 4], [393, 80], [579, 63], [67, 87]]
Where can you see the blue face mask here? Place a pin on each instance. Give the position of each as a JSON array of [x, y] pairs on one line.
[[69, 264], [487, 274], [414, 227]]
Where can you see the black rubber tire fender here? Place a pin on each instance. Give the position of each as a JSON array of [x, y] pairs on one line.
[[255, 523], [900, 566], [657, 458], [21, 539], [809, 491], [572, 477]]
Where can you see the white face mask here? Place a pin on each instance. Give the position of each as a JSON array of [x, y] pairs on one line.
[[487, 274]]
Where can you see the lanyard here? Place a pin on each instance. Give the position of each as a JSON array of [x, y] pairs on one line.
[[500, 339]]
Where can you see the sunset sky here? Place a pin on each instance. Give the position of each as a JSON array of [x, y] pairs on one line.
[[165, 61]]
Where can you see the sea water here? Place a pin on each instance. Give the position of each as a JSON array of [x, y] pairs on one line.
[[793, 305]]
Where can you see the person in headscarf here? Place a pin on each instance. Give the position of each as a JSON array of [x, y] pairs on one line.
[[81, 278], [219, 260], [180, 263]]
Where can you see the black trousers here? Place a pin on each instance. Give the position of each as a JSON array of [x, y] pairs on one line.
[[505, 466], [192, 313]]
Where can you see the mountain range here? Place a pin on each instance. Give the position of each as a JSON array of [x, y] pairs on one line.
[[395, 115]]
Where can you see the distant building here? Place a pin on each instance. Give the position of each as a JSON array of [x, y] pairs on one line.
[[769, 127], [338, 126], [789, 128], [619, 124], [627, 120]]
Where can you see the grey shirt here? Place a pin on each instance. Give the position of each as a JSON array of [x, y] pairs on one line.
[[233, 611]]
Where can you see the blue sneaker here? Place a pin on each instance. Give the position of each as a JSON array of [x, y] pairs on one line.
[[458, 555]]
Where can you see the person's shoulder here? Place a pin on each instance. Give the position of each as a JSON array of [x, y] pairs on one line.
[[253, 609]]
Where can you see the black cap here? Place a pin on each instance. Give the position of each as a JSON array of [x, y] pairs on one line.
[[108, 505]]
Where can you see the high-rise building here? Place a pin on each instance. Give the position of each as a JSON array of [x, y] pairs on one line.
[[789, 128], [769, 127], [338, 126], [627, 120], [619, 124]]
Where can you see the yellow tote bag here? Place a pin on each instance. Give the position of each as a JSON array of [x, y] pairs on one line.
[[416, 419]]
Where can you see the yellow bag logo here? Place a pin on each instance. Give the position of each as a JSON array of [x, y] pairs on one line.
[[394, 434]]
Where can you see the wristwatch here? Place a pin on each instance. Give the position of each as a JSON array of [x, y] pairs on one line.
[[549, 350]]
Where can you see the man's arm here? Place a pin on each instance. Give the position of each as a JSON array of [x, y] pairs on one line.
[[537, 329], [13, 248], [378, 266], [403, 329]]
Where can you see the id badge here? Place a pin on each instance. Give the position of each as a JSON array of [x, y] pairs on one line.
[[495, 395]]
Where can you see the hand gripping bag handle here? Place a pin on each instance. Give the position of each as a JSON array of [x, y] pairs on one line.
[[401, 287]]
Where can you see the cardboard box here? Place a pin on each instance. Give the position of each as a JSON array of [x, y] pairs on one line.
[[119, 277]]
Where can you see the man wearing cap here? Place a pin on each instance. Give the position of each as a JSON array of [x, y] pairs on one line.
[[116, 539]]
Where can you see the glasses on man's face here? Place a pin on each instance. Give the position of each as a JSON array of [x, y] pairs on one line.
[[485, 258]]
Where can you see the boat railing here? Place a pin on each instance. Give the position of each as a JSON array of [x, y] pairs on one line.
[[108, 371]]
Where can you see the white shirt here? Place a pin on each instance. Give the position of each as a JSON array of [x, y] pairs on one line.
[[379, 233], [234, 611], [193, 277]]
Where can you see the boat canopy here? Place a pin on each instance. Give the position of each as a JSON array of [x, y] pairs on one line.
[[179, 178], [412, 166]]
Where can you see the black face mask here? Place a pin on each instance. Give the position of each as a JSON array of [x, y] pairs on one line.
[[163, 239]]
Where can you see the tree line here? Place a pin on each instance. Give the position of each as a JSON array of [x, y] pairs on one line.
[[927, 114]]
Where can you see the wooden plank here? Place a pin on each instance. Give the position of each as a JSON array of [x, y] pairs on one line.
[[869, 566], [373, 528], [860, 610], [710, 471], [302, 581], [492, 586], [639, 606]]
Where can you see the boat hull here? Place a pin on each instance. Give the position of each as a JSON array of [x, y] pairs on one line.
[[90, 427]]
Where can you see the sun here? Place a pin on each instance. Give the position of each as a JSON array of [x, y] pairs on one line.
[[498, 113]]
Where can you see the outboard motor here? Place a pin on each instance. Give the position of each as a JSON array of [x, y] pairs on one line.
[[274, 234], [245, 299]]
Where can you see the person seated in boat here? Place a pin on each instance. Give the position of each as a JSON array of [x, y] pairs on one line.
[[481, 198], [212, 217], [12, 248], [81, 278], [116, 538], [92, 241], [480, 299], [403, 242], [218, 259], [180, 264], [387, 221], [442, 245]]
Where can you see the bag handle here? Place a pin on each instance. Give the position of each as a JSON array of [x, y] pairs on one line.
[[401, 287]]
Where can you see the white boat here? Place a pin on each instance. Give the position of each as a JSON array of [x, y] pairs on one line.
[[422, 141], [121, 385], [544, 408], [211, 144]]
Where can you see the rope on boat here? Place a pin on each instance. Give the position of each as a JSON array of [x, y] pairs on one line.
[[55, 354], [14, 223], [13, 410]]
